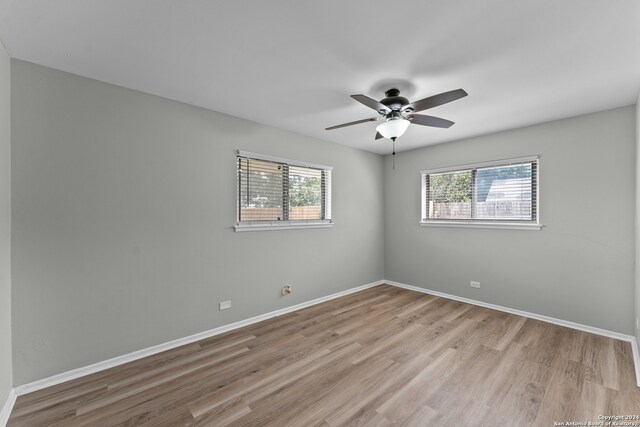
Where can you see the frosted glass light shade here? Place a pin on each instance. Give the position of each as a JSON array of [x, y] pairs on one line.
[[393, 128]]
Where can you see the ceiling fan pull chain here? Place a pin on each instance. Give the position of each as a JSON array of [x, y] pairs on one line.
[[393, 156]]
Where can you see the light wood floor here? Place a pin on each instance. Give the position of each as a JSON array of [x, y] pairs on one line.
[[383, 356]]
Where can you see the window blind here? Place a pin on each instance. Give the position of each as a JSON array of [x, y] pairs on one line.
[[261, 190], [503, 191]]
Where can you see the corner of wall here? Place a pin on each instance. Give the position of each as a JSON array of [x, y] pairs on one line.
[[7, 395], [637, 225], [384, 217]]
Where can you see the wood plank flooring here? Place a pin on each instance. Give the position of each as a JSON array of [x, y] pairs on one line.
[[384, 356]]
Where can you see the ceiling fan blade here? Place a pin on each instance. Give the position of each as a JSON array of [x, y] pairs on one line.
[[379, 136], [371, 103], [357, 122], [436, 100], [436, 122]]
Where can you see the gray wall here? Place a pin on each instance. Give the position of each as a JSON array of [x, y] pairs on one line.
[[123, 205], [6, 382], [579, 267]]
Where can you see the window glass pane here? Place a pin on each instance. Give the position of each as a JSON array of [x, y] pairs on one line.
[[504, 192], [449, 195], [260, 190], [305, 193]]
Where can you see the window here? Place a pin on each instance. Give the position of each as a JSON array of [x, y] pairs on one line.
[[276, 193], [500, 194]]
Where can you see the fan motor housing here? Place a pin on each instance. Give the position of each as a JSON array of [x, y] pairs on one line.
[[393, 100]]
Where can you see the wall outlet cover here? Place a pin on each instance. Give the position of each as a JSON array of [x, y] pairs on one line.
[[224, 305], [475, 284]]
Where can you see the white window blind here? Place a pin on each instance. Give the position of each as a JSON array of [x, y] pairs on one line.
[[504, 192], [275, 192]]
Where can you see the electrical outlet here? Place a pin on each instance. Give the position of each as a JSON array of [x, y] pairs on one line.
[[637, 323], [225, 305], [474, 284], [286, 290]]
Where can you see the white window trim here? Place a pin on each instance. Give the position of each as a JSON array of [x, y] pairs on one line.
[[500, 162], [495, 225], [281, 225], [289, 225], [504, 225], [291, 162]]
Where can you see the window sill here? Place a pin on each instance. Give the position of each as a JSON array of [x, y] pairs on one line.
[[470, 224], [268, 226]]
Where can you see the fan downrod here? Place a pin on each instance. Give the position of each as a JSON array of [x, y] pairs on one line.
[[392, 92]]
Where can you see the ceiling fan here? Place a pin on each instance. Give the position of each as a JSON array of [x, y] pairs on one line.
[[398, 112]]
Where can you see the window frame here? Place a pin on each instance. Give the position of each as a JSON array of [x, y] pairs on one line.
[[533, 224], [265, 225]]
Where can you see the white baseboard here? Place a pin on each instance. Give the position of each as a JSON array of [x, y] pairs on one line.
[[591, 329], [636, 358], [8, 406], [119, 360]]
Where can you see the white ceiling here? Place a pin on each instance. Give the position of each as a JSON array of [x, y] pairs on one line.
[[292, 64]]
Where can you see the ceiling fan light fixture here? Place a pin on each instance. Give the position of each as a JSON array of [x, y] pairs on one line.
[[393, 127]]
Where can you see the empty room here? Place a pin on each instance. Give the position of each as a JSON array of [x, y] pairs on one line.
[[296, 213]]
